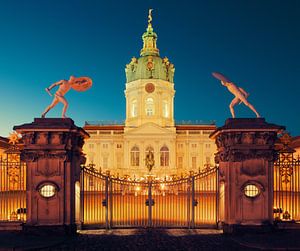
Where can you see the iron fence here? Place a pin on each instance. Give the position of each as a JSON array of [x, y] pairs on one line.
[[287, 187], [12, 187]]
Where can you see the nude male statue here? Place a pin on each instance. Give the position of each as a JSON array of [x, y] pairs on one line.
[[64, 87], [240, 97]]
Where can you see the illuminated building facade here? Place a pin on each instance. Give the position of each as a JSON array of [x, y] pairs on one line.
[[150, 124]]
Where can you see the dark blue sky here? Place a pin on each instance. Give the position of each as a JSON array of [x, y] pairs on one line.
[[255, 43]]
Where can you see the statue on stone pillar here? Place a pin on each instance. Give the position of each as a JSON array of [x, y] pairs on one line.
[[78, 84], [240, 94]]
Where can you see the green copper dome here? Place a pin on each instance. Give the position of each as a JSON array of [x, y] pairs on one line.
[[148, 67], [150, 64]]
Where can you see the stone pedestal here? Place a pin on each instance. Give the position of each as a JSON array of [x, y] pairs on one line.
[[53, 154], [245, 156]]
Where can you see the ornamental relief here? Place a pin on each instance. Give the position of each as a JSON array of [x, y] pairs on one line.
[[245, 138], [53, 138], [242, 155], [29, 156]]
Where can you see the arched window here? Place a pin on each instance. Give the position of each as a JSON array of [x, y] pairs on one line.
[[135, 156], [149, 107], [165, 109], [164, 156], [134, 108]]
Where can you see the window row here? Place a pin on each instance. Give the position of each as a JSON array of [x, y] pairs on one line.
[[193, 162], [150, 108], [135, 155]]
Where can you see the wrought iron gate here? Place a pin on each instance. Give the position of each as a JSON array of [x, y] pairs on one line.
[[287, 184], [12, 186], [121, 202]]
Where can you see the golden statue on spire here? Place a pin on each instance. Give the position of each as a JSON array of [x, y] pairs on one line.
[[150, 17]]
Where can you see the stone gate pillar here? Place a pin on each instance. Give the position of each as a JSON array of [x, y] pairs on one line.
[[53, 154], [245, 154]]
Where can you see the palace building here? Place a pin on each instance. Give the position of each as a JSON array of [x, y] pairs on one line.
[[150, 124]]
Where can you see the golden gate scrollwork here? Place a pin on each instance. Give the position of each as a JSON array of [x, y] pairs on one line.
[[189, 201], [12, 186], [287, 186]]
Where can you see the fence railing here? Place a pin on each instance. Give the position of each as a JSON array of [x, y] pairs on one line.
[[287, 187], [119, 202], [12, 187]]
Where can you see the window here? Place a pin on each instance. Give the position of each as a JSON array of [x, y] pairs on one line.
[[194, 162], [119, 158], [165, 109], [180, 146], [91, 146], [194, 145], [180, 162], [105, 146], [105, 162], [134, 108], [149, 107], [47, 190], [135, 156], [164, 156], [119, 146], [207, 146], [251, 191]]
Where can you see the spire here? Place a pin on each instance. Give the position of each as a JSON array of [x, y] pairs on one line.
[[149, 39]]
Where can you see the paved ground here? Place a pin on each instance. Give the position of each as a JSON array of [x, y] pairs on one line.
[[155, 239]]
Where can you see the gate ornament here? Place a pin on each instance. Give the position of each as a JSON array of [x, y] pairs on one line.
[[240, 95], [14, 138], [150, 161], [78, 84]]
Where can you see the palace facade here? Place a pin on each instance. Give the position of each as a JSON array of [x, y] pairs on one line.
[[150, 124]]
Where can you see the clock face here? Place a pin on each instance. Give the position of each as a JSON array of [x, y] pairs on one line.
[[149, 87]]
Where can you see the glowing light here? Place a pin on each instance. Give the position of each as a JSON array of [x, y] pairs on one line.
[[47, 191], [251, 191]]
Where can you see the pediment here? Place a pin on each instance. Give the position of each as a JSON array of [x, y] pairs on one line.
[[150, 129]]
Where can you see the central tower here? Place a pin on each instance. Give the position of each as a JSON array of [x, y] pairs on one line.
[[149, 85]]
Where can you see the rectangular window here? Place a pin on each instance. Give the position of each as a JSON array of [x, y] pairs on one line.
[[180, 162], [180, 146], [149, 111], [105, 146], [118, 161], [105, 162], [194, 162]]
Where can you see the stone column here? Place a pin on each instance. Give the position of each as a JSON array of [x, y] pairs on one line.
[[53, 154], [245, 154]]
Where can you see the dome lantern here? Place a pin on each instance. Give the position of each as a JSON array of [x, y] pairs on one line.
[[149, 39]]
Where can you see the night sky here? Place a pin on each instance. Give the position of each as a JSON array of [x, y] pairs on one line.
[[255, 43]]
